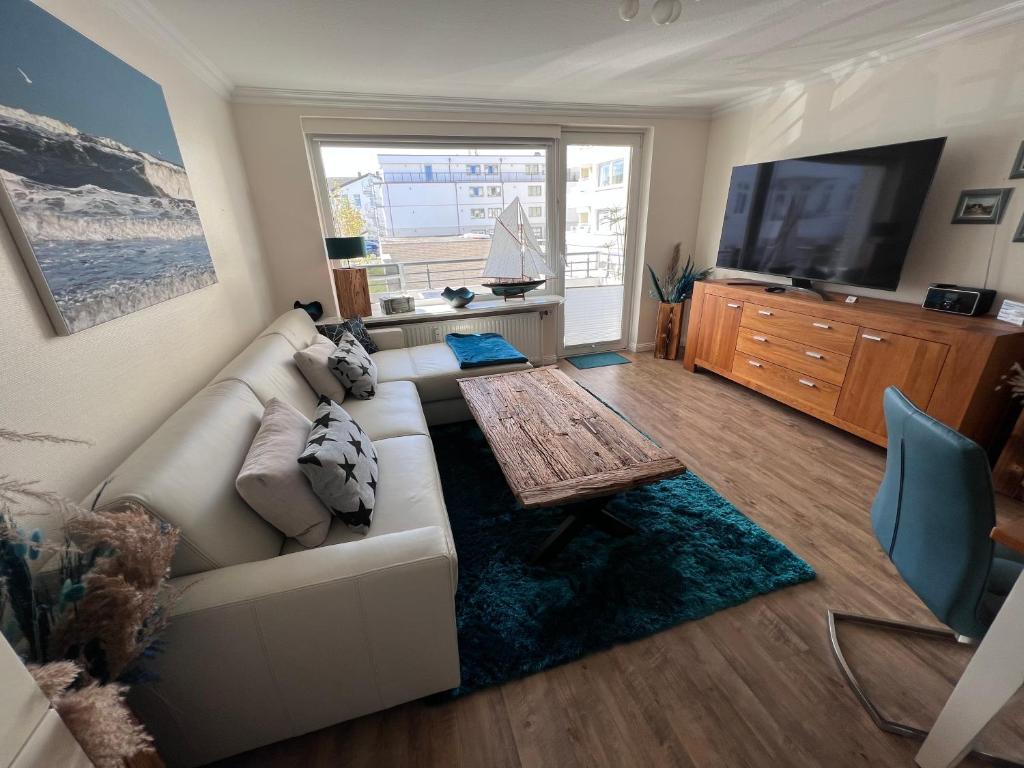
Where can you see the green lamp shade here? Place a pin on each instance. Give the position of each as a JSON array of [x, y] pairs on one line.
[[345, 247]]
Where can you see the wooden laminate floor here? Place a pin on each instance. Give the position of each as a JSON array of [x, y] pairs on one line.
[[754, 685]]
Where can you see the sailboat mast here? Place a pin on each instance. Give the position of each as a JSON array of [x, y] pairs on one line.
[[522, 243]]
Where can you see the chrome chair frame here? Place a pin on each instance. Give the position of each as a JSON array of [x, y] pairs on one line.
[[876, 715]]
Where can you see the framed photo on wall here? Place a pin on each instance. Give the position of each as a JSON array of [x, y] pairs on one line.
[[1018, 164], [1018, 236], [981, 206]]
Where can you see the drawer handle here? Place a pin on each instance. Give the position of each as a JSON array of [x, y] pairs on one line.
[[764, 312], [815, 355], [807, 383], [762, 339], [733, 306], [869, 337], [826, 326], [755, 363]]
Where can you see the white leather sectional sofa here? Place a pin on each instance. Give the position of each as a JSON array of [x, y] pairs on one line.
[[269, 639]]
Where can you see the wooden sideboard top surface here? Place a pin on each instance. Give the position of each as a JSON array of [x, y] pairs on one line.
[[866, 310]]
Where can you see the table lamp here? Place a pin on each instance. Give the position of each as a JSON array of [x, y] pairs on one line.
[[351, 285]]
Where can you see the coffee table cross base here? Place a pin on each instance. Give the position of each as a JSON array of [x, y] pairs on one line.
[[590, 512]]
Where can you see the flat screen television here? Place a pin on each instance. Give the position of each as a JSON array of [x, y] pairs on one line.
[[844, 217]]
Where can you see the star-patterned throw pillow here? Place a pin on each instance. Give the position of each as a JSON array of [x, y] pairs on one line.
[[356, 327], [354, 368], [341, 464]]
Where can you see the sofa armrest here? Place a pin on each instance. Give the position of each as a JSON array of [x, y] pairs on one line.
[[264, 651], [388, 338]]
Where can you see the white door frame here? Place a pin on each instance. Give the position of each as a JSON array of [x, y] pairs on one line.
[[617, 138]]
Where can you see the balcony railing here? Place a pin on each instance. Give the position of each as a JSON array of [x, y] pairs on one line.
[[450, 177], [424, 276]]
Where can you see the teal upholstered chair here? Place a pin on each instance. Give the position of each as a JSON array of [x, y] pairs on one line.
[[933, 515]]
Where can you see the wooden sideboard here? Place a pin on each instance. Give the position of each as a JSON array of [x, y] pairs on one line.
[[833, 360]]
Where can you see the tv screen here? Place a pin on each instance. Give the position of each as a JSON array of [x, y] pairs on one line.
[[845, 217]]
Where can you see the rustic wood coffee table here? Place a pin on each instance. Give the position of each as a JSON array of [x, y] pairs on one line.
[[559, 445]]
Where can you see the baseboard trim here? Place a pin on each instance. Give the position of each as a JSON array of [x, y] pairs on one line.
[[549, 360], [644, 346]]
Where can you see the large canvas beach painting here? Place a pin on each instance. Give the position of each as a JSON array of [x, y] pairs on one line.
[[92, 183]]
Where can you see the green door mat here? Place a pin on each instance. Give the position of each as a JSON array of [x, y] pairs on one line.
[[597, 360]]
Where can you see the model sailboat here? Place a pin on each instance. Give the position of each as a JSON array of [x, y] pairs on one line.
[[516, 261]]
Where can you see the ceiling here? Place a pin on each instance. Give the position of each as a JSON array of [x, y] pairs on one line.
[[566, 51]]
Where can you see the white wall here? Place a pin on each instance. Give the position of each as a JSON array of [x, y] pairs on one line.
[[114, 383], [971, 90], [274, 148]]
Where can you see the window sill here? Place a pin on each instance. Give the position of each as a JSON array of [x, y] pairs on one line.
[[435, 312]]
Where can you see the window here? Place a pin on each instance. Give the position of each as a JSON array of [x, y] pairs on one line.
[[421, 236], [535, 190], [573, 174], [585, 172], [610, 173], [538, 231], [533, 169], [584, 217]]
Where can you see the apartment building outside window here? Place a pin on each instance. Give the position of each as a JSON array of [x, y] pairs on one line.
[[427, 209]]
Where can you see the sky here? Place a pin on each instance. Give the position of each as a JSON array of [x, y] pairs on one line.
[[76, 81], [348, 162]]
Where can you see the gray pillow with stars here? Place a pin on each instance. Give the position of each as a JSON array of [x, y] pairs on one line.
[[354, 368], [341, 464]]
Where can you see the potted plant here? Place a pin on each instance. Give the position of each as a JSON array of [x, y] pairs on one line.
[[672, 290]]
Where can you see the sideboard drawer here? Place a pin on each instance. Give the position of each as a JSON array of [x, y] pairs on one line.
[[805, 329], [821, 363], [790, 385]]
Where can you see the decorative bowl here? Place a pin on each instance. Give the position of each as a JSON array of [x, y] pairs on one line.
[[458, 297]]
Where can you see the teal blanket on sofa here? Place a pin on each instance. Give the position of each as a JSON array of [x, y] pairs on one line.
[[476, 350]]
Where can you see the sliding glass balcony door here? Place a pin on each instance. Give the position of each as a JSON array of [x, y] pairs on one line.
[[599, 234]]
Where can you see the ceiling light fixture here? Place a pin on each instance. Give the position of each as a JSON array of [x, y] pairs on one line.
[[664, 11], [628, 9]]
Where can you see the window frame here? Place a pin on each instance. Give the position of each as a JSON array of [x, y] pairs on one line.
[[549, 165]]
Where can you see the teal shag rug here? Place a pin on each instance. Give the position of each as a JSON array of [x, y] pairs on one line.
[[693, 554], [597, 360]]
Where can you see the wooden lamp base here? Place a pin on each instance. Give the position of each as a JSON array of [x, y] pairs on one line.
[[352, 289]]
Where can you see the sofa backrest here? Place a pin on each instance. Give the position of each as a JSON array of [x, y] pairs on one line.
[[184, 474]]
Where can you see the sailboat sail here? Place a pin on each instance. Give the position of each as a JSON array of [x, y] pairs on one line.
[[515, 251]]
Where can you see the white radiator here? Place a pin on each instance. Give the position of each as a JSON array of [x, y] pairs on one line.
[[521, 330]]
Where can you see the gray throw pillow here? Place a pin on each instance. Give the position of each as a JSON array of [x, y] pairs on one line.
[[341, 464], [354, 368]]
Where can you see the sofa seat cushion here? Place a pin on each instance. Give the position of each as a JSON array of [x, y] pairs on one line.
[[434, 368], [184, 475], [296, 327], [268, 369], [395, 411], [408, 494]]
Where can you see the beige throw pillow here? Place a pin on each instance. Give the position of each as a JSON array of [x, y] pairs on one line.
[[313, 362], [272, 482]]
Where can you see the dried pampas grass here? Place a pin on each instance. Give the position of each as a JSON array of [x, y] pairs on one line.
[[100, 721]]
